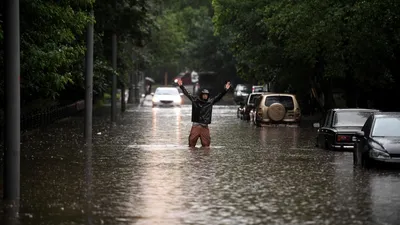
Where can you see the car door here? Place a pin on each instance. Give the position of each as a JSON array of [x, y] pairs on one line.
[[361, 144], [323, 130]]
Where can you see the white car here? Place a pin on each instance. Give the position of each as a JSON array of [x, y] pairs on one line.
[[167, 96]]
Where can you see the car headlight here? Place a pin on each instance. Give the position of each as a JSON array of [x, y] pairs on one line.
[[155, 99], [177, 100], [378, 152]]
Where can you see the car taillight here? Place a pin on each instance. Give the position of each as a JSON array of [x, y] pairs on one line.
[[343, 138]]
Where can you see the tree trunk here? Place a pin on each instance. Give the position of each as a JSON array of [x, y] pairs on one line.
[[131, 97], [123, 103]]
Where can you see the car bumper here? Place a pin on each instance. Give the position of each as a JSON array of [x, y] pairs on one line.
[[388, 160], [343, 146], [282, 121], [161, 104]]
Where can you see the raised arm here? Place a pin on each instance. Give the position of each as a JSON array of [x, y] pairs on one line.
[[220, 95], [185, 92]]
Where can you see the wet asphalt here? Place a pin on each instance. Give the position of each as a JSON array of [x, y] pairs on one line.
[[142, 172]]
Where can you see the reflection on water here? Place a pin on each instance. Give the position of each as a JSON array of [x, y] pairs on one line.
[[142, 172], [385, 200], [88, 183]]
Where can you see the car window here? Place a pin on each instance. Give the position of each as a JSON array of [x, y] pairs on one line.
[[367, 126], [386, 127], [328, 121], [286, 101], [167, 91], [350, 118], [257, 89], [253, 97]]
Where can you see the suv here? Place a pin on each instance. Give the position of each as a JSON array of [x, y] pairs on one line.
[[243, 111], [275, 108], [241, 92]]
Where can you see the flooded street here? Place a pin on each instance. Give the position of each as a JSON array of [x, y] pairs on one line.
[[142, 172]]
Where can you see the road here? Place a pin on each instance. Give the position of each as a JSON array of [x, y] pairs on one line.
[[142, 172]]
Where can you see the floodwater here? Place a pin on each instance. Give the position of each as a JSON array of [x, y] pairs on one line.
[[142, 172]]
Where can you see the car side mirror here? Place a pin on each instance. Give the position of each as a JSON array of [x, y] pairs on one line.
[[152, 94], [181, 94], [316, 125], [360, 134]]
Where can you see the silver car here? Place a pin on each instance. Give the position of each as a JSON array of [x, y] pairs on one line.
[[167, 96]]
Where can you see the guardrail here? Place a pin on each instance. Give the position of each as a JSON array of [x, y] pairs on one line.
[[44, 117]]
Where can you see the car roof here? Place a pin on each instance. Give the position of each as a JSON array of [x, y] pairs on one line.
[[166, 88], [354, 109], [386, 114], [278, 94]]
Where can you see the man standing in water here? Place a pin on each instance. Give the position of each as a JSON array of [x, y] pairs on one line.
[[201, 114]]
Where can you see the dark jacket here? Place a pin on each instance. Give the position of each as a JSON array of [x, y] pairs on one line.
[[202, 109]]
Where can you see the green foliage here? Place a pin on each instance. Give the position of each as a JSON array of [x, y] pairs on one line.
[[297, 41], [184, 40]]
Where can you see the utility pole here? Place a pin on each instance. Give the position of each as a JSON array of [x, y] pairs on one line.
[[89, 82], [114, 80], [12, 139]]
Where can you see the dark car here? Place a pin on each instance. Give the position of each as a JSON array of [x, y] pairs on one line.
[[339, 126], [244, 109], [241, 92], [378, 140]]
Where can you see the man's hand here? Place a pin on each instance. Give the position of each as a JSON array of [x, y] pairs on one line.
[[227, 85], [179, 82]]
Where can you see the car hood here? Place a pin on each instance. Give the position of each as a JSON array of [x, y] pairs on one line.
[[166, 97], [391, 145], [348, 130]]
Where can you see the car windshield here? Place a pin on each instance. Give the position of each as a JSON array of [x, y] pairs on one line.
[[244, 89], [386, 127], [167, 91], [350, 118], [253, 97], [286, 101]]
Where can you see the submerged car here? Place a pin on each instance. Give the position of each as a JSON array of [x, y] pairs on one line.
[[243, 111], [277, 108], [339, 127], [167, 96], [378, 140], [241, 92]]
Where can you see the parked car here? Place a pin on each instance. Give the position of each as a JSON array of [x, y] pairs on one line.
[[378, 140], [276, 108], [241, 92], [167, 96], [244, 109], [252, 113], [338, 127], [257, 88]]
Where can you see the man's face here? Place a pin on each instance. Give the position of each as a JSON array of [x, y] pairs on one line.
[[204, 96]]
